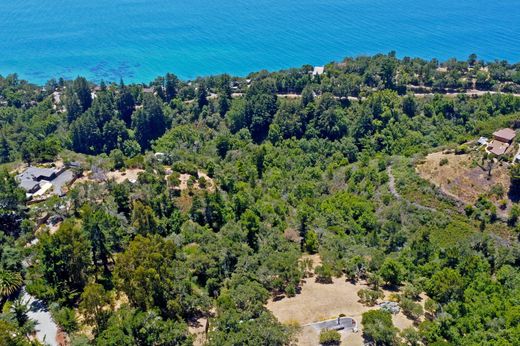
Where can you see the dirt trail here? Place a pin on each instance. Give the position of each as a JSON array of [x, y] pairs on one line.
[[395, 193]]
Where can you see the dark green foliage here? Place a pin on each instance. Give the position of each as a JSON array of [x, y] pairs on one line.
[[125, 106], [82, 91], [66, 319], [132, 327], [5, 149], [149, 122], [152, 276], [445, 285], [378, 327], [287, 176], [12, 209], [330, 337], [64, 258], [392, 272]]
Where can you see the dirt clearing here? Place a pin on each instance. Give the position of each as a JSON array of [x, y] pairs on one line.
[[319, 302], [465, 177]]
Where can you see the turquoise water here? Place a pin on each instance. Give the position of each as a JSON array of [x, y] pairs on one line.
[[140, 39]]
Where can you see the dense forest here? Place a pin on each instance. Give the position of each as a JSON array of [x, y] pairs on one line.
[[278, 164]]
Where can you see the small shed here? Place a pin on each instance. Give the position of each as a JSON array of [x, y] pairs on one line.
[[483, 141]]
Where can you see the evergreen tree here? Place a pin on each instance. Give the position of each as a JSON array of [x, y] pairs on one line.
[[149, 122]]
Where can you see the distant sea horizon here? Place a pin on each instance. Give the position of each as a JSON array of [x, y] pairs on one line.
[[138, 40]]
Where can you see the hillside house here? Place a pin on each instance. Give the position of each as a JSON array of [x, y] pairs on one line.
[[502, 140], [37, 181], [505, 135], [318, 70]]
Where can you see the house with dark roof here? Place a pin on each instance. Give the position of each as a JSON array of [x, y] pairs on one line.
[[37, 181]]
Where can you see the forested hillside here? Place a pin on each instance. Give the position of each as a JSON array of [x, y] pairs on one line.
[[237, 179]]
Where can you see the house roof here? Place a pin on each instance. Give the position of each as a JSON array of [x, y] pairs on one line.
[[508, 134], [498, 147], [318, 70], [36, 172], [29, 178], [29, 185]]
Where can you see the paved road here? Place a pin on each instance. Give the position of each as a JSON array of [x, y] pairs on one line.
[[46, 328], [476, 93], [348, 324]]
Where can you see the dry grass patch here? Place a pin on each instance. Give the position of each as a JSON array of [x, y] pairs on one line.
[[319, 302], [130, 174], [460, 177]]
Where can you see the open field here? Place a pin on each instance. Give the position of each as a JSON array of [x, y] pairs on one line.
[[130, 174], [318, 302], [460, 177]]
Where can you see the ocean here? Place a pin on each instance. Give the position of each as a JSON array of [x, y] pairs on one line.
[[138, 40]]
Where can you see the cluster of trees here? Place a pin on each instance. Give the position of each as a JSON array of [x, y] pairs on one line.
[[141, 260]]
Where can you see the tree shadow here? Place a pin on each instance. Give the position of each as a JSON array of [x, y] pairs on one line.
[[514, 193], [37, 306]]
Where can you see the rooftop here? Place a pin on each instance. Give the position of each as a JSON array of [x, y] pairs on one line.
[[498, 147], [36, 173], [35, 179], [318, 70], [506, 134]]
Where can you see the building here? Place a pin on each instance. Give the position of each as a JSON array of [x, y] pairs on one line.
[[497, 147], [502, 140], [483, 141], [38, 182], [504, 135], [318, 70]]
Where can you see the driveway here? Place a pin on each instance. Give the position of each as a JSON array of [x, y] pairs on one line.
[[46, 328]]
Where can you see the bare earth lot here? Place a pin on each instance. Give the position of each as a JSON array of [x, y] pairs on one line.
[[461, 179], [319, 302]]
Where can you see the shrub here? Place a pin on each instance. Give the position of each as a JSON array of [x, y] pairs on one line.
[[411, 309], [514, 214], [323, 273], [311, 242], [378, 327], [369, 297], [497, 190], [443, 162], [412, 291], [185, 167], [461, 149], [290, 290], [431, 306], [330, 337], [411, 336], [392, 272], [65, 318], [375, 281], [202, 182]]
